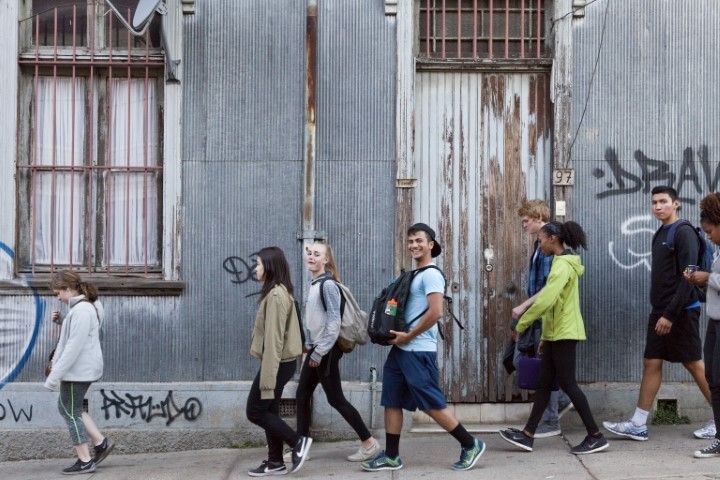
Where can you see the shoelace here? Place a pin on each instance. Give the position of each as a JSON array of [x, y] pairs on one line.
[[714, 446]]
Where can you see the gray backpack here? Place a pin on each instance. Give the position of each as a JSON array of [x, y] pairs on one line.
[[353, 320]]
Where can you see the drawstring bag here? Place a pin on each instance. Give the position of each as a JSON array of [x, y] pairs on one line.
[[529, 373]]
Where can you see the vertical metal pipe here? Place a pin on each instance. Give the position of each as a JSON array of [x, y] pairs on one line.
[[522, 28], [310, 129]]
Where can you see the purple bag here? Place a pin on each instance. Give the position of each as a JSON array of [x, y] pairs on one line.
[[529, 373]]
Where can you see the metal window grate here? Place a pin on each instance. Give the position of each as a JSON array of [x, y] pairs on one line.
[[483, 29], [79, 164]]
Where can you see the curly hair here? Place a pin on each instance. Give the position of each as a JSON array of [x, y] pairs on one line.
[[569, 233], [710, 209]]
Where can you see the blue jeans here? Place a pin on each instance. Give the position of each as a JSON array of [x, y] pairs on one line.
[[550, 415]]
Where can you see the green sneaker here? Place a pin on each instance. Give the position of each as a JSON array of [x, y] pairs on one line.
[[469, 456], [382, 462]]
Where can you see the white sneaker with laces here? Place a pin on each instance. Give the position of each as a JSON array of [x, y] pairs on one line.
[[706, 432], [364, 454]]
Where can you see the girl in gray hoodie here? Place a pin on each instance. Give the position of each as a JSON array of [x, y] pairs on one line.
[[76, 363], [710, 222]]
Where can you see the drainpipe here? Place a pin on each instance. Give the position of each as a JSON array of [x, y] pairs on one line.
[[373, 394], [308, 234]]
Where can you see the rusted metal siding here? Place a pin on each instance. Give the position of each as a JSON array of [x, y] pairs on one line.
[[482, 147], [355, 152], [652, 119], [242, 173]]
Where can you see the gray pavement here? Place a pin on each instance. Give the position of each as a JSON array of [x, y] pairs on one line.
[[667, 455]]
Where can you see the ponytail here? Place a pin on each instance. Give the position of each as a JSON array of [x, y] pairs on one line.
[[570, 233], [68, 279]]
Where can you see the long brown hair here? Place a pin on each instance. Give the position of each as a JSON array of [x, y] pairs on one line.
[[330, 267], [277, 270], [71, 280]]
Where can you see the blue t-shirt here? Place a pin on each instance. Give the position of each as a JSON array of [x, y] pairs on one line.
[[426, 282]]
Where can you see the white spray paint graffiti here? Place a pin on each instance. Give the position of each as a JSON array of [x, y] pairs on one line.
[[636, 225]]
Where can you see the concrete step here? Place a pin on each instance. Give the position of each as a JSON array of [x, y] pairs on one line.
[[484, 417]]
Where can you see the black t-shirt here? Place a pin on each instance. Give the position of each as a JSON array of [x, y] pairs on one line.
[[670, 294]]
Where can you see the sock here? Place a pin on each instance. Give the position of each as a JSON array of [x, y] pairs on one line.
[[392, 444], [640, 417], [462, 436]]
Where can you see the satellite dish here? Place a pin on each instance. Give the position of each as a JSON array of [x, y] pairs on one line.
[[144, 12]]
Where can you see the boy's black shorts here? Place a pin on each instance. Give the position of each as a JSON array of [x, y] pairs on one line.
[[682, 344]]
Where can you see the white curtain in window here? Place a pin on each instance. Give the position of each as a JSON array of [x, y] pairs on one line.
[[132, 201], [58, 198]]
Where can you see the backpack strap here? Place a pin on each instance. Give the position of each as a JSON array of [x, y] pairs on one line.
[[447, 298], [670, 240], [322, 295]]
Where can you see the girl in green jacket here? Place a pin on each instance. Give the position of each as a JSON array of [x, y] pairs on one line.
[[558, 304]]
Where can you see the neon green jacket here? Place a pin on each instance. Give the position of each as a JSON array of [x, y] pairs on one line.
[[558, 303]]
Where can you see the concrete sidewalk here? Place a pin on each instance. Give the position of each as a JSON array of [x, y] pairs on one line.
[[667, 455]]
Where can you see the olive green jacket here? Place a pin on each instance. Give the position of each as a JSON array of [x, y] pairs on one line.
[[276, 337]]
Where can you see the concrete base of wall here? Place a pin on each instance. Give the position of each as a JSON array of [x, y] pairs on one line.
[[144, 417]]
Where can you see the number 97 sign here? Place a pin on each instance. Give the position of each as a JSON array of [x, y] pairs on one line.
[[563, 177]]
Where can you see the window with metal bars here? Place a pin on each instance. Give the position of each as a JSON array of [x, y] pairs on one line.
[[483, 29], [89, 169]]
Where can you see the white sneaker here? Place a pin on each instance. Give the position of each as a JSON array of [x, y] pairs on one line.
[[364, 454], [706, 432]]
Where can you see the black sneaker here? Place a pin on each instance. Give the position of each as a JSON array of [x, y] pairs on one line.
[[591, 444], [103, 450], [268, 468], [517, 438], [80, 467], [300, 453], [712, 450]]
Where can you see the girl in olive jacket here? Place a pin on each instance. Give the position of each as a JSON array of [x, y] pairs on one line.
[[558, 304], [277, 343]]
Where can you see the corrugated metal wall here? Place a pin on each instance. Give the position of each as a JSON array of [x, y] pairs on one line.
[[356, 151], [483, 146], [242, 173], [653, 118]]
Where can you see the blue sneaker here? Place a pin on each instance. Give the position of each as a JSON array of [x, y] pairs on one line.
[[469, 456], [382, 462], [628, 429]]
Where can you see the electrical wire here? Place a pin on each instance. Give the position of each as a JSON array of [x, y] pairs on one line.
[[555, 20], [592, 79]]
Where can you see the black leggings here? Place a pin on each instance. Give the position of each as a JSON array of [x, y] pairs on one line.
[[712, 368], [558, 362], [266, 413], [328, 375]]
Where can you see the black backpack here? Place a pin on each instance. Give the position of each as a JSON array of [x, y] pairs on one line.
[[388, 310], [705, 254]]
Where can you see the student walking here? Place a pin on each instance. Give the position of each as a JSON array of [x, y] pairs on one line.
[[558, 304], [76, 364], [276, 342], [410, 374], [673, 332], [710, 222], [534, 214], [322, 363]]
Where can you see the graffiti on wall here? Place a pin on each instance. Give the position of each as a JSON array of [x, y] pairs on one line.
[[11, 412], [634, 250], [695, 175], [119, 405], [20, 320], [240, 269]]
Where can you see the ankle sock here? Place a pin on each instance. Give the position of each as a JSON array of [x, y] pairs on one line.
[[392, 444], [640, 417], [462, 436]]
